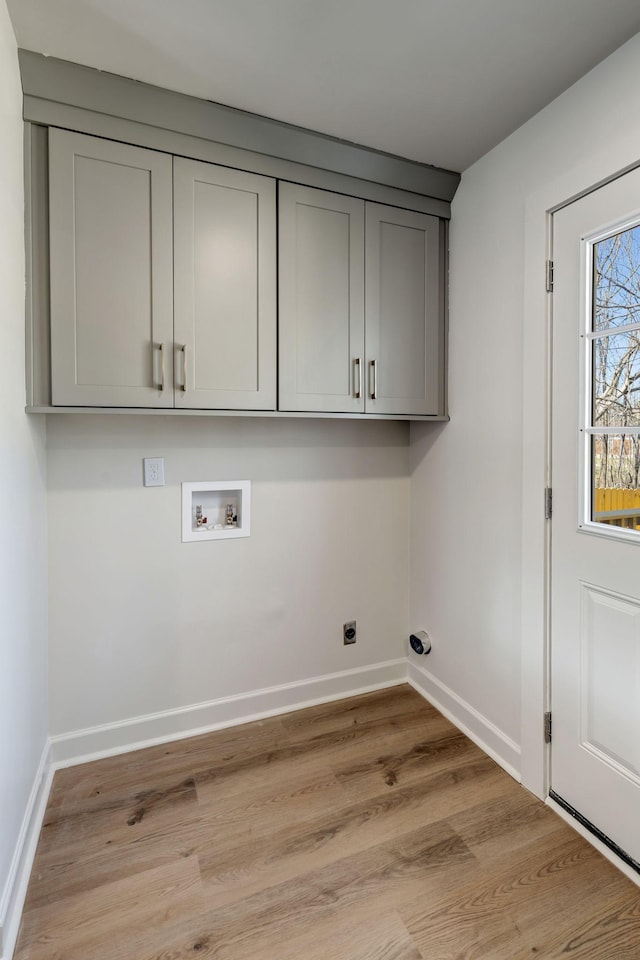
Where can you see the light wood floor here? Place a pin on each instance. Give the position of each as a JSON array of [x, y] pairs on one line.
[[370, 829]]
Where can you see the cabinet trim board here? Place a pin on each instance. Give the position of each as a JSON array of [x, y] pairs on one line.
[[274, 414], [60, 81], [46, 113]]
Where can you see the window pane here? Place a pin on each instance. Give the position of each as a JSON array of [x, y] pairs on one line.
[[616, 480], [616, 395], [617, 280]]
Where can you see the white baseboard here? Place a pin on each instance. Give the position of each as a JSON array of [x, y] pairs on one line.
[[485, 734], [12, 900], [110, 739]]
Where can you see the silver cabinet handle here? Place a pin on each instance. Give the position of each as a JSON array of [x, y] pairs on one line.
[[184, 367], [161, 349], [357, 390], [374, 391]]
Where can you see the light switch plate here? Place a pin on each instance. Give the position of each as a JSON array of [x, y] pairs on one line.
[[153, 471]]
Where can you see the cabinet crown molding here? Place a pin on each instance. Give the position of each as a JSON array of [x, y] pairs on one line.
[[60, 82]]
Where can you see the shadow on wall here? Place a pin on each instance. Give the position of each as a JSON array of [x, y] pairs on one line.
[[93, 450], [422, 438]]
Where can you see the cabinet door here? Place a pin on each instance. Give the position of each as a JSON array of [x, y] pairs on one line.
[[404, 312], [225, 288], [111, 273], [321, 286]]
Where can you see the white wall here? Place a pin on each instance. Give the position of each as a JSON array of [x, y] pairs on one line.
[[141, 623], [466, 490], [23, 588]]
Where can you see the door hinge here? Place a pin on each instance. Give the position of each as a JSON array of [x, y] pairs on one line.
[[548, 503], [549, 276], [547, 727]]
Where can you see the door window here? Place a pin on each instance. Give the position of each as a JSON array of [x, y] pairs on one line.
[[612, 428]]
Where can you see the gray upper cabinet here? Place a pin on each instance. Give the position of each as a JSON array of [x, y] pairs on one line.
[[404, 312], [174, 285], [361, 311], [225, 288], [163, 276], [111, 273], [321, 300]]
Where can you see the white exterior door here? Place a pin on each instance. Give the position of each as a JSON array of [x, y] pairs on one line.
[[595, 596]]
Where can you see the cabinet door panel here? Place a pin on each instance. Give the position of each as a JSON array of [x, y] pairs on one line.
[[321, 300], [225, 287], [111, 273], [404, 328]]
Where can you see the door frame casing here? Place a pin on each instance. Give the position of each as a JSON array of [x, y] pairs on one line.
[[594, 172]]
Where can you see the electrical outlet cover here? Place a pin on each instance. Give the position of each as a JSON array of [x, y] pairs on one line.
[[153, 471], [349, 632]]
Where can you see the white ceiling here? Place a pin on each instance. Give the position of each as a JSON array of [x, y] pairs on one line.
[[439, 81]]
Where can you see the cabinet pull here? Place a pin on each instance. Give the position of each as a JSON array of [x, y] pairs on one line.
[[184, 367], [161, 349], [374, 391], [357, 390]]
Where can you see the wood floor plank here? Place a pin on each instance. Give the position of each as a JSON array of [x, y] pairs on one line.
[[370, 829], [74, 928], [76, 787], [90, 861], [401, 759], [391, 706], [612, 930], [379, 878], [135, 802], [606, 925], [240, 772], [281, 796], [558, 868], [274, 853], [368, 934], [113, 833], [513, 819]]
